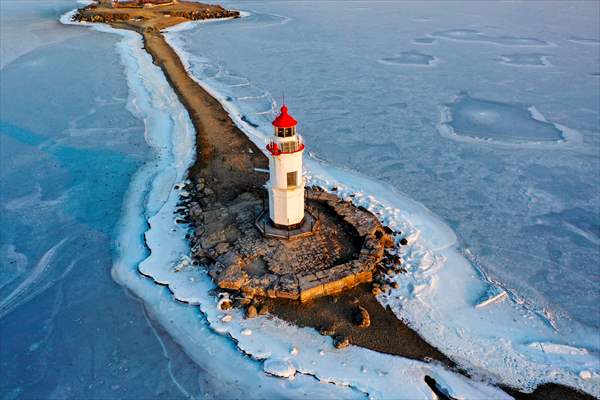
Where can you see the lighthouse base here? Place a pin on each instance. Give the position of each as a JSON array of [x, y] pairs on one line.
[[289, 227], [304, 228]]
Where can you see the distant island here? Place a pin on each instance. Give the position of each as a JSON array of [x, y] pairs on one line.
[[150, 15]]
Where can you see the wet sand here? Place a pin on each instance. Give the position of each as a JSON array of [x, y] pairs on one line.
[[226, 159]]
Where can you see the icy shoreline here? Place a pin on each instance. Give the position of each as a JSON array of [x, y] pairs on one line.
[[432, 243]]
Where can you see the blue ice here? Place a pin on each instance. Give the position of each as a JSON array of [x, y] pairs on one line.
[[488, 119]]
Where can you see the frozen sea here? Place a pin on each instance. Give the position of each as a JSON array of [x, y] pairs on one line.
[[523, 195], [474, 128]]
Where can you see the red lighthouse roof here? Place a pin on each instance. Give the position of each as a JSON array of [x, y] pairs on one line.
[[284, 120]]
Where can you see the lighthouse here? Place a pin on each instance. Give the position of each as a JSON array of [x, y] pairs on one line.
[[286, 184]]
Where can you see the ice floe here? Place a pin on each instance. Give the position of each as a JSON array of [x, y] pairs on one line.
[[526, 60], [412, 58], [468, 118], [472, 35]]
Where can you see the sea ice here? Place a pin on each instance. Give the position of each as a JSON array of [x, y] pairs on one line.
[[472, 35], [582, 40], [424, 40], [526, 60], [410, 58], [496, 121]]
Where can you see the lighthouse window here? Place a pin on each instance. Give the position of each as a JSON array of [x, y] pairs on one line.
[[292, 178], [280, 132], [289, 147], [288, 132]]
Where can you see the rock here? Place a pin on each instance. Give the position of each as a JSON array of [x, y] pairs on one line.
[[225, 304], [403, 241], [341, 342], [232, 277], [361, 317], [327, 331], [395, 285], [251, 312], [387, 241], [376, 291], [221, 248], [211, 240], [245, 301], [195, 210], [263, 310]]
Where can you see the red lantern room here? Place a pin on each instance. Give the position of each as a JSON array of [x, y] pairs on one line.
[[284, 120], [286, 140]]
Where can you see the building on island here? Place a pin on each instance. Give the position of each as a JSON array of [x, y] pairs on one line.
[[141, 3], [286, 183]]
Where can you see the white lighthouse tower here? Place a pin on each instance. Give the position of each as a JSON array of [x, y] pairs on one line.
[[286, 184]]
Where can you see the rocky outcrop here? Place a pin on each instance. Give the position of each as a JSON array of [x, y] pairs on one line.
[[344, 251], [90, 15], [196, 15], [341, 342]]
